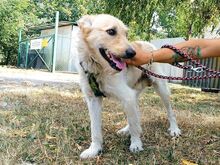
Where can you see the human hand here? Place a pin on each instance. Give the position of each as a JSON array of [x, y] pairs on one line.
[[142, 56]]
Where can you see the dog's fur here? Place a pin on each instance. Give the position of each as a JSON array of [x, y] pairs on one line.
[[125, 85]]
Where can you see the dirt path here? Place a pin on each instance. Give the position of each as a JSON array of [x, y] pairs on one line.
[[11, 78]]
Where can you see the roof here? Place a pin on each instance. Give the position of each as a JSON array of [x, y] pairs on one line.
[[51, 26]]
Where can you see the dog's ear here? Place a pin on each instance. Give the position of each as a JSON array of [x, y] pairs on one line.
[[85, 23]]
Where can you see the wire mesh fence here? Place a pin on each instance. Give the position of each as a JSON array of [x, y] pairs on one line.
[[37, 58], [212, 83]]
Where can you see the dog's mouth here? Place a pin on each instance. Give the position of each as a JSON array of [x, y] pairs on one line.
[[115, 62]]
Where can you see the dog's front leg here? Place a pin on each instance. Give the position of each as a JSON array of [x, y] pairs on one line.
[[133, 117], [94, 106], [131, 108]]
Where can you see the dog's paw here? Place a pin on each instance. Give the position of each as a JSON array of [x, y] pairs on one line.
[[124, 131], [136, 146], [174, 131], [91, 152]]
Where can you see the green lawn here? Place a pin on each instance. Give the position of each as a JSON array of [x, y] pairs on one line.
[[47, 125]]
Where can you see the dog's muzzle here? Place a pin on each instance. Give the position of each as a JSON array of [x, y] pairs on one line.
[[114, 62]]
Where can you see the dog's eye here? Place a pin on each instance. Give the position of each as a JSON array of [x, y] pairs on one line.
[[111, 32]]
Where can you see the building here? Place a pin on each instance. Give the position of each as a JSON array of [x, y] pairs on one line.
[[39, 52]]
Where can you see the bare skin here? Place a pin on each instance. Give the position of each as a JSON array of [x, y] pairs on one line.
[[196, 48]]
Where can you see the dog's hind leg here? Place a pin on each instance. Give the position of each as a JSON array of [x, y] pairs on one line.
[[124, 130], [94, 106], [164, 92]]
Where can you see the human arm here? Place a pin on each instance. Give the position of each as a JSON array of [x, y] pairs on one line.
[[196, 48]]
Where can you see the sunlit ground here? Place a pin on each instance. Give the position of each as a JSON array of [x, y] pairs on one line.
[[50, 125]]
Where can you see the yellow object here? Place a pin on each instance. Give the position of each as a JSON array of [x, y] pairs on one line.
[[186, 162], [48, 137], [44, 43]]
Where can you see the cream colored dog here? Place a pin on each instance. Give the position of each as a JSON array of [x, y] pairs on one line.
[[102, 45]]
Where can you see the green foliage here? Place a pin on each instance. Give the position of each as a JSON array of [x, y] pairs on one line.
[[70, 10], [136, 13], [14, 14], [189, 18], [182, 18]]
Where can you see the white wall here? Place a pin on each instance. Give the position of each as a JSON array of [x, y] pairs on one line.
[[63, 56], [209, 34], [73, 50], [169, 70]]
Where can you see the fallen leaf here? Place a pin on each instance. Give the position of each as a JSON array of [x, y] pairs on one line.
[[186, 162]]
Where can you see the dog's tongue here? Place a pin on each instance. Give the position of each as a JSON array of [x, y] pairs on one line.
[[119, 63]]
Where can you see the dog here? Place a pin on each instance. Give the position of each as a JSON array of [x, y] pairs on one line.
[[102, 45]]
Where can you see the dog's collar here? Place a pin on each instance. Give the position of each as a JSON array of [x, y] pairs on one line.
[[94, 85]]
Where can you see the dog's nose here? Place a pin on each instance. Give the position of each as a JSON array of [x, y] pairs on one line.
[[129, 53]]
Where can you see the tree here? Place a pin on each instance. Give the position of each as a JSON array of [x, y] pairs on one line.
[[138, 14], [14, 14], [22, 14], [70, 10], [184, 18], [189, 18]]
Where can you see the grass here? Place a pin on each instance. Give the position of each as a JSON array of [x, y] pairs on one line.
[[47, 125]]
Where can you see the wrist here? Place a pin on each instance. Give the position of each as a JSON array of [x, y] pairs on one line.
[[152, 57], [163, 55]]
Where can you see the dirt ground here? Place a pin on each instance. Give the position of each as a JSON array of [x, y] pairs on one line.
[[44, 120], [11, 78]]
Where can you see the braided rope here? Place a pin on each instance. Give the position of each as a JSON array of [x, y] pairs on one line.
[[184, 55], [213, 73], [177, 78]]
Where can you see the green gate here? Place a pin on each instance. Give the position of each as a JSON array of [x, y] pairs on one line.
[[36, 53]]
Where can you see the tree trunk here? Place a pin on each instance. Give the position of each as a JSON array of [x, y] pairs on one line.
[[189, 32], [7, 57]]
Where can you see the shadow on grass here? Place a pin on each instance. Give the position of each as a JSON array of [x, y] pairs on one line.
[[52, 127]]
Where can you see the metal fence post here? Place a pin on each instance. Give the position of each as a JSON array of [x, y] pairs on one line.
[[26, 53], [55, 41], [19, 41]]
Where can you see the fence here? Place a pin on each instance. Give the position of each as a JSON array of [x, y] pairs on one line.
[[207, 84], [52, 50], [31, 55], [38, 53]]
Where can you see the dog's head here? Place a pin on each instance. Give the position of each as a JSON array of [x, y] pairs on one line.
[[106, 36]]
